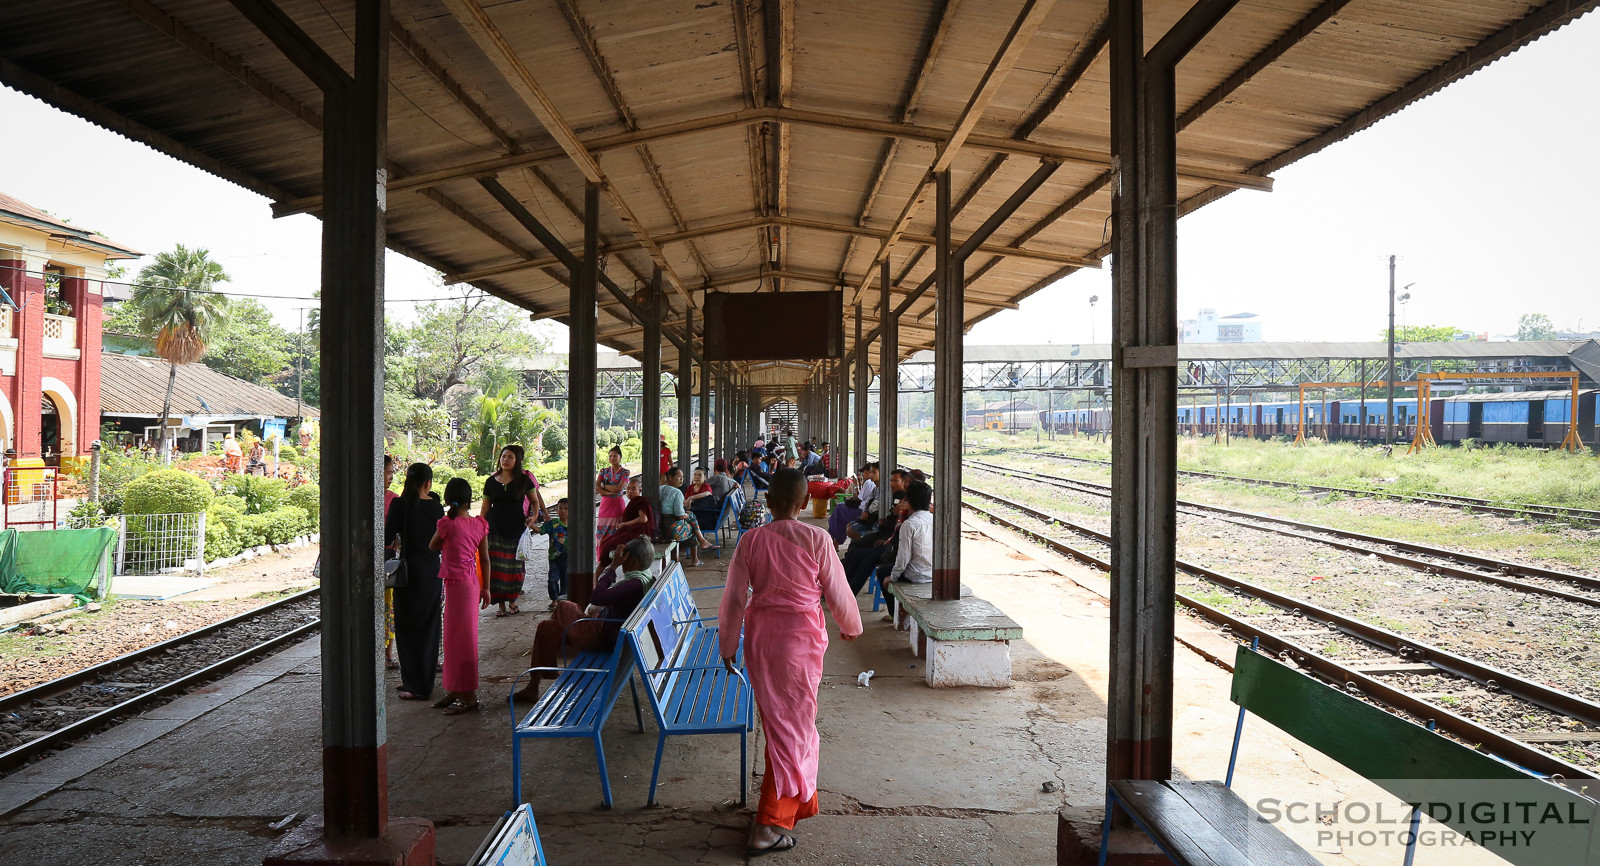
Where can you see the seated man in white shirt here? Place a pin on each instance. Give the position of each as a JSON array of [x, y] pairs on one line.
[[913, 561]]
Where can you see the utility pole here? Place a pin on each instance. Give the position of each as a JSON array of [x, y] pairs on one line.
[[1388, 418]]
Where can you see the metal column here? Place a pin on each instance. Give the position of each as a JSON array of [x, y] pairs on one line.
[[1144, 374], [650, 450], [355, 783], [947, 414], [702, 459], [685, 391], [861, 393], [581, 377], [888, 387]]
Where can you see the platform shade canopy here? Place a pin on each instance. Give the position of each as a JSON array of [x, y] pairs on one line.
[[749, 146]]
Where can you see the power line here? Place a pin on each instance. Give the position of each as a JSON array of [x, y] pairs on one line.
[[133, 285]]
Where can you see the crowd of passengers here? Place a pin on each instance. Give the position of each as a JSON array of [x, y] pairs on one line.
[[461, 553]]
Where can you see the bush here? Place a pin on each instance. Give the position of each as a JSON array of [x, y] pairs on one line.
[[167, 491], [555, 470], [260, 495], [229, 500], [276, 527], [117, 471], [308, 498], [222, 538], [555, 443]]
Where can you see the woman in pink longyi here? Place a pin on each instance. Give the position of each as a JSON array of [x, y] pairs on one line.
[[463, 541], [779, 576]]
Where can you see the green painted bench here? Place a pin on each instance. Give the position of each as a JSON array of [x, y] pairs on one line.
[[967, 641], [1529, 821]]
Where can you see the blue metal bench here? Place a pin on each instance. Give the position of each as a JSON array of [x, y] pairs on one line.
[[580, 699], [689, 690], [728, 522]]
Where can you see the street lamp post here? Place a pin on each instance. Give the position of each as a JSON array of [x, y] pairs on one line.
[[1388, 419]]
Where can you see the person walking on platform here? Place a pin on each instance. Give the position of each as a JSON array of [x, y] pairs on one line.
[[410, 521], [780, 574], [610, 485], [463, 541], [511, 505], [556, 529]]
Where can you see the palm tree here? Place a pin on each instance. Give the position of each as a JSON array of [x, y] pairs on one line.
[[179, 308]]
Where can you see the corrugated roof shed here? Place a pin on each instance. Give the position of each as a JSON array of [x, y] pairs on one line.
[[15, 210], [131, 386]]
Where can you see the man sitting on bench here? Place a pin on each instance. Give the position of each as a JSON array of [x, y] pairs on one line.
[[913, 560]]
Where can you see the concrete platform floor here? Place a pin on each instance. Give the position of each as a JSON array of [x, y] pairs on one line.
[[909, 774]]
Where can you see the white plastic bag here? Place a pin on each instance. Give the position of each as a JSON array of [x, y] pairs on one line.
[[525, 545]]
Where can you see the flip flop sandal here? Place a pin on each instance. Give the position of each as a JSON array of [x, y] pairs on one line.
[[501, 613], [391, 666], [411, 696], [785, 843], [443, 702], [456, 708]]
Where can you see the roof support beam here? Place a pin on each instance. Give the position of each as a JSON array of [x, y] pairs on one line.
[[791, 222], [494, 46], [815, 119], [1022, 30], [562, 254]]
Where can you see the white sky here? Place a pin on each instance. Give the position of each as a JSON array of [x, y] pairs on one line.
[[1486, 191]]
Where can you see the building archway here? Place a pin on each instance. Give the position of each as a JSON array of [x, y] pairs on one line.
[[58, 432], [9, 422]]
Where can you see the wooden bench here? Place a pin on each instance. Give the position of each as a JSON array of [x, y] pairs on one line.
[[1207, 824], [579, 701], [689, 690], [967, 641]]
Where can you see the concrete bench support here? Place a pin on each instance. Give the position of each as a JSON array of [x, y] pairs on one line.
[[967, 642]]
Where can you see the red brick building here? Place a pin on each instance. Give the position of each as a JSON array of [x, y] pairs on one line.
[[50, 333]]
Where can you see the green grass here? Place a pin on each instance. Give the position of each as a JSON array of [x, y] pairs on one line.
[[1502, 473]]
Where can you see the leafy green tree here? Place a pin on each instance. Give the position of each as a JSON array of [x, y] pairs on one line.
[[507, 419], [181, 310], [250, 345], [450, 341], [403, 412], [1421, 334], [1535, 326]]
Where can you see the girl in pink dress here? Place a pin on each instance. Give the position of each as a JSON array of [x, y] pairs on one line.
[[463, 541], [777, 581]]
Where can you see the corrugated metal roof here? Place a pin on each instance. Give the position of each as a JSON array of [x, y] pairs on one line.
[[722, 129], [15, 210], [136, 386]]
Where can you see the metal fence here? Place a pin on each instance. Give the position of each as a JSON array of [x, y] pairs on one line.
[[161, 544], [32, 497]]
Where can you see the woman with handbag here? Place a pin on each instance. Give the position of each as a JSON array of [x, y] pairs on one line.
[[409, 525], [512, 505]]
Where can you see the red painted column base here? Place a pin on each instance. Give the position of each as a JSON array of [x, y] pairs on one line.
[[407, 842]]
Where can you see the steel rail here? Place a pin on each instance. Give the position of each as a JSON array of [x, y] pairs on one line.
[[1586, 516], [71, 681], [1532, 692], [1497, 570], [60, 737], [1485, 739]]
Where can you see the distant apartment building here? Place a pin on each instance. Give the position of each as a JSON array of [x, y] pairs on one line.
[[1208, 327]]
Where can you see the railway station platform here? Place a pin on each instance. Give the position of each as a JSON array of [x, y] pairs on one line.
[[909, 774]]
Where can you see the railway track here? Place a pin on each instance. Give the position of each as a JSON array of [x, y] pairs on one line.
[[1584, 517], [1421, 557], [1401, 656], [56, 713]]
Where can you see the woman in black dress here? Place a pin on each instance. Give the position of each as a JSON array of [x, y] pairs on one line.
[[417, 605], [511, 504]]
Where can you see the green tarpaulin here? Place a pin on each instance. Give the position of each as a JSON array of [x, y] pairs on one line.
[[54, 561]]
